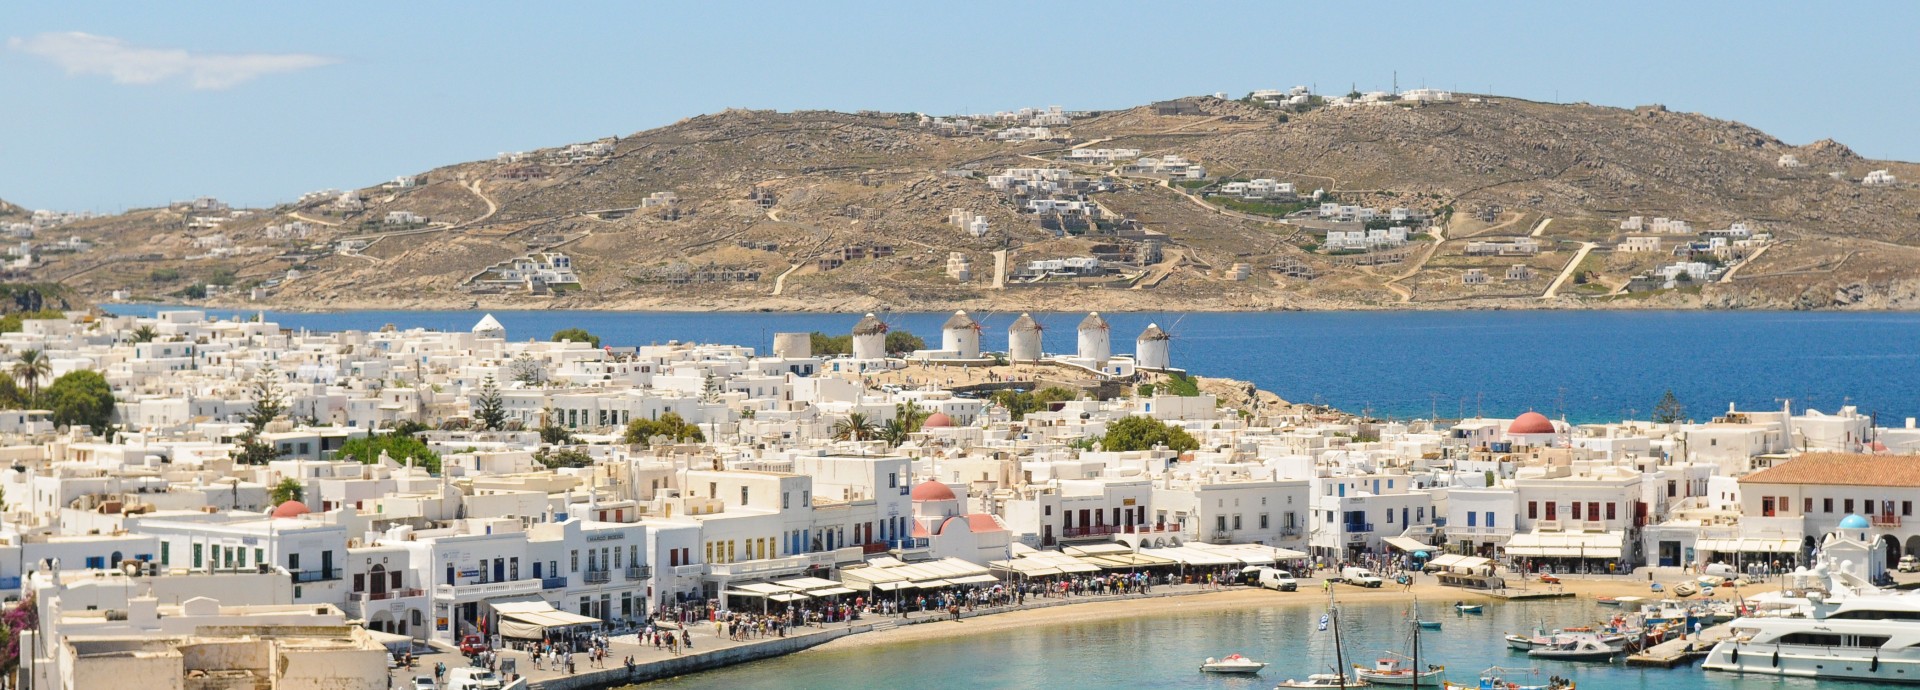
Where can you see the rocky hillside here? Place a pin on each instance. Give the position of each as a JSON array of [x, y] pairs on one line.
[[835, 211]]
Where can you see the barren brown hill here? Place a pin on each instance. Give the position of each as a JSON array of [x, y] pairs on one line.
[[834, 211]]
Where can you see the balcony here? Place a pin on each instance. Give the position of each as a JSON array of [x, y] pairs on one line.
[[639, 572], [321, 575], [1357, 527], [597, 577], [486, 590], [1547, 525], [1106, 530], [763, 567], [389, 594], [1885, 520], [555, 582], [872, 548]]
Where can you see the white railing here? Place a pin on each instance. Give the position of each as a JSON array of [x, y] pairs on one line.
[[486, 589], [763, 566]]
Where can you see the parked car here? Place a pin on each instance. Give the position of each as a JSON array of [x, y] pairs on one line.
[[1360, 576], [424, 683], [1277, 579], [1909, 564], [473, 644], [468, 678]]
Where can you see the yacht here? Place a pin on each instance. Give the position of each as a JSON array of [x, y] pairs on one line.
[[1856, 632]]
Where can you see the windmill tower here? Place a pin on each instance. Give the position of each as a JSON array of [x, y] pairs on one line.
[[1152, 350], [1095, 340], [961, 336], [1023, 339], [870, 338]]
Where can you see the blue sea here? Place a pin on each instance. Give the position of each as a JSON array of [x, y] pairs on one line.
[[1583, 365]]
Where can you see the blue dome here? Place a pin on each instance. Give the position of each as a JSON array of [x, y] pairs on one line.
[[1853, 522]]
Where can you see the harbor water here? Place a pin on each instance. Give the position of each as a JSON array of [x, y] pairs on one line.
[[1165, 650]]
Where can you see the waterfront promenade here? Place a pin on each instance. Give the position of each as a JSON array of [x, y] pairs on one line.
[[712, 649]]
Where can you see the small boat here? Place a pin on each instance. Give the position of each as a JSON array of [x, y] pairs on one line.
[[1526, 642], [1430, 625], [1498, 678], [1324, 680], [1469, 608], [1582, 648], [1234, 663], [1685, 589], [1606, 601], [1397, 672]]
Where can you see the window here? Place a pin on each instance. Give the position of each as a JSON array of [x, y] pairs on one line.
[[743, 495], [1236, 522], [1672, 488], [1807, 505], [1220, 523], [1869, 507], [1906, 509], [1472, 521], [575, 566], [1389, 516], [1576, 510], [1489, 518], [1766, 506], [1533, 510], [1826, 505], [1263, 521], [1849, 505], [96, 562], [893, 480], [197, 555], [786, 500], [1593, 510], [1610, 509]]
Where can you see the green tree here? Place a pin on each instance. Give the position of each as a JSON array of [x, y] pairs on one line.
[[81, 397], [367, 450], [670, 425], [288, 489], [900, 342], [576, 335], [144, 334], [855, 427], [1143, 433], [526, 370], [1669, 409], [488, 409], [1019, 403], [829, 345], [253, 451], [1185, 386], [551, 432], [11, 397], [269, 401], [32, 366], [563, 457], [221, 277]]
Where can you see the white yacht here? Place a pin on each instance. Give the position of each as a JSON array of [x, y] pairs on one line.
[[1856, 632]]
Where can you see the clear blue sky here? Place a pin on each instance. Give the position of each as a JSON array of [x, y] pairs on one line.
[[111, 105]]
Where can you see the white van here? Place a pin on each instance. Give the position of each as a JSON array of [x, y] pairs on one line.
[[470, 678], [1275, 578], [1363, 577]]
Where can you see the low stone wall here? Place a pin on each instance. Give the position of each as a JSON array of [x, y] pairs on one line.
[[617, 675]]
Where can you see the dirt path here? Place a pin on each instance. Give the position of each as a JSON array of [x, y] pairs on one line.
[[1542, 227], [1565, 273], [1728, 277]]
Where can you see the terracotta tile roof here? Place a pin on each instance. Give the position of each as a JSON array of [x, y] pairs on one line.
[[1842, 469]]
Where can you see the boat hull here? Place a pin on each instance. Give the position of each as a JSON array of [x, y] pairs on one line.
[[1824, 663]]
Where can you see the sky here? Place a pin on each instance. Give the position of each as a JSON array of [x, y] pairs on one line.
[[120, 105]]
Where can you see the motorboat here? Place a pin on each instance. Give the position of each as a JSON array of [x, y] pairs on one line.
[[1430, 625], [1685, 589], [1498, 678], [1856, 631], [1234, 663], [1399, 673], [1324, 680], [1469, 608], [1575, 648], [1620, 601], [1526, 642]]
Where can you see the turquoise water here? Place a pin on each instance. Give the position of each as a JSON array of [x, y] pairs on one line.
[[1164, 651], [1589, 366]]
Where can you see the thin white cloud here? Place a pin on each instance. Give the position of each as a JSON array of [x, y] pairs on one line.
[[84, 54]]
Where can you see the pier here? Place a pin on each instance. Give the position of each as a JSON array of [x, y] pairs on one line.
[[1685, 650]]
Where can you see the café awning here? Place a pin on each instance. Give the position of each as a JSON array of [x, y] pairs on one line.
[[531, 619], [788, 597], [1566, 544], [1745, 545], [1407, 544], [975, 580], [830, 591]]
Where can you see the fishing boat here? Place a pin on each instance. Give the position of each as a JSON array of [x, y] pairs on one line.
[[1234, 663], [1324, 680], [1575, 648], [1337, 679], [1619, 601], [1685, 589], [1526, 642], [1468, 608], [1498, 678], [1430, 625], [1398, 672]]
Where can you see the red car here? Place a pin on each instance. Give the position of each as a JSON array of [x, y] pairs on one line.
[[473, 644]]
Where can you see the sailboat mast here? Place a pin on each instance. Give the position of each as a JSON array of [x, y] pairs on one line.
[[1416, 644], [1339, 658]]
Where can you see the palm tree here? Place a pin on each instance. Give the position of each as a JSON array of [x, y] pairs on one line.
[[856, 427], [31, 367], [145, 334]]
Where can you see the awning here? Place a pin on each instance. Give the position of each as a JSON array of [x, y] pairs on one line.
[[531, 619], [1566, 544], [764, 588], [830, 591], [807, 583], [1454, 560], [1745, 545], [1192, 556], [931, 584], [1407, 544], [974, 580], [888, 586], [788, 597]]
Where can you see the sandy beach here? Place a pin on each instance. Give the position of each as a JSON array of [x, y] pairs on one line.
[[1231, 599]]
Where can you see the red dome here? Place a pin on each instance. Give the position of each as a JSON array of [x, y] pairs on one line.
[[936, 419], [932, 491], [291, 509], [1531, 423]]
